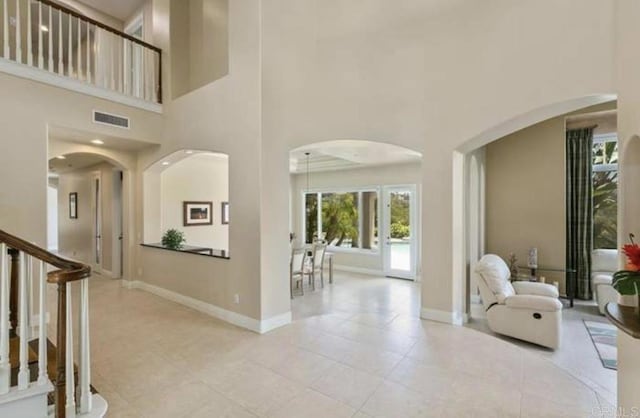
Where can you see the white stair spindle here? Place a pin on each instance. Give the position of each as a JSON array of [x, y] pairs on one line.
[[70, 46], [23, 324], [60, 48], [5, 29], [88, 40], [70, 406], [5, 366], [18, 34], [79, 50], [50, 38], [42, 331], [31, 310], [40, 52], [85, 350], [29, 36]]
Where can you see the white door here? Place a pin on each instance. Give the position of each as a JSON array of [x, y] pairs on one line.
[[399, 231], [97, 222], [117, 244]]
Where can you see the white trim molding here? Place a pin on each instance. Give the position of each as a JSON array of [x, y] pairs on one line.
[[453, 318], [255, 325], [47, 77]]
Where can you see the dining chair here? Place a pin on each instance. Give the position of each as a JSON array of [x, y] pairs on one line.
[[317, 264], [297, 268]]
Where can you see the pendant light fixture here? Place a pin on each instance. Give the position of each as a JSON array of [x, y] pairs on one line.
[[307, 154]]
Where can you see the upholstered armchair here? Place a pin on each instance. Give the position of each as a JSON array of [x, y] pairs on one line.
[[528, 311], [603, 264]]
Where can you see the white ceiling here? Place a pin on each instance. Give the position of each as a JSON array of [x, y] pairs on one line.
[[83, 137], [120, 9], [346, 154], [73, 162]]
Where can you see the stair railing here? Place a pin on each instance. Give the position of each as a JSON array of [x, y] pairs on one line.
[[23, 275], [48, 36]]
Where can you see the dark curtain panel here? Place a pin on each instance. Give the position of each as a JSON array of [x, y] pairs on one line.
[[579, 211]]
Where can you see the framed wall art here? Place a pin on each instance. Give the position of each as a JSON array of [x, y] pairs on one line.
[[197, 213]]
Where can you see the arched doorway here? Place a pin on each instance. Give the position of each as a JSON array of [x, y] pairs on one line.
[[88, 212], [360, 199]]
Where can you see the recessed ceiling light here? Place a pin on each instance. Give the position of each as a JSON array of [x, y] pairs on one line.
[[97, 141], [44, 28], [165, 163], [61, 157], [188, 151]]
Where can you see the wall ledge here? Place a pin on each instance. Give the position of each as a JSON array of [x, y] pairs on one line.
[[255, 325], [55, 80]]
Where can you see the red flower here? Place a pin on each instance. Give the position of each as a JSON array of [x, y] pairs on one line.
[[632, 251]]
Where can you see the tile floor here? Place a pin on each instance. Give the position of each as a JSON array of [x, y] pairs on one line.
[[355, 349], [577, 355]]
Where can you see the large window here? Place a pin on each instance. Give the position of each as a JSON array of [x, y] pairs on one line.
[[345, 219], [605, 191]]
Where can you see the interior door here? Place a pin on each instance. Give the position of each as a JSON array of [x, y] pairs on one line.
[[97, 222], [399, 231]]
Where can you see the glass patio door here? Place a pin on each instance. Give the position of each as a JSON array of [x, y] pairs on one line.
[[399, 231]]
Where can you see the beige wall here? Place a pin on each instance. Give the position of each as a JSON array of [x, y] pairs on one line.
[[199, 39], [525, 193], [200, 177], [75, 236], [388, 175], [436, 77]]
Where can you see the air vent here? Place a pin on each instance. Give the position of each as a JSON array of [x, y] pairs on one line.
[[111, 120]]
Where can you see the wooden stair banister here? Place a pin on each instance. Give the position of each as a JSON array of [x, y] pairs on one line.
[[67, 272]]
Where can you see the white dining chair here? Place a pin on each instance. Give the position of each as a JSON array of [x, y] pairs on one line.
[[297, 268]]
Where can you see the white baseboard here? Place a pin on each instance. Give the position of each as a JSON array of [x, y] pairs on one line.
[[447, 317], [350, 269], [259, 326]]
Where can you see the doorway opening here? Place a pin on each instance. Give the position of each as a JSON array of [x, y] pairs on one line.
[[86, 214]]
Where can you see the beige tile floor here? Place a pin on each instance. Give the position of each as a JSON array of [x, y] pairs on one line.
[[355, 349], [576, 355]]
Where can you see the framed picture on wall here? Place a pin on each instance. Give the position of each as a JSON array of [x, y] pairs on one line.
[[73, 205], [225, 213], [197, 213]]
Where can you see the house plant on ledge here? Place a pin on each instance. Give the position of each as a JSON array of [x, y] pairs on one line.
[[173, 239], [627, 281]]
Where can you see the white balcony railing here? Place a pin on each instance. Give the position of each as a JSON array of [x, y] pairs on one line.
[[47, 36]]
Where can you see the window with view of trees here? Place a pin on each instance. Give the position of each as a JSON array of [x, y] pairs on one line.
[[342, 219], [605, 191]]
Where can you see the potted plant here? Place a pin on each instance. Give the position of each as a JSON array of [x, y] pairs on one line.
[[627, 281], [173, 239]]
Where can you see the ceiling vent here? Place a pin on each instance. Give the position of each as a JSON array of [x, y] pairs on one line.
[[111, 120]]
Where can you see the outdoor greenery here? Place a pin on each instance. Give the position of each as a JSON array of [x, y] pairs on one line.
[[605, 196], [173, 239], [340, 218], [400, 215]]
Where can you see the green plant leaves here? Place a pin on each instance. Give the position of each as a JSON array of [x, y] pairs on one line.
[[626, 282]]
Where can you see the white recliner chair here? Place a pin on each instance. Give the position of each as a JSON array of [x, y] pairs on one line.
[[525, 310], [603, 264]]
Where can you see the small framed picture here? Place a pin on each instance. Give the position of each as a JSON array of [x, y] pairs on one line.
[[73, 205], [197, 213], [225, 213]]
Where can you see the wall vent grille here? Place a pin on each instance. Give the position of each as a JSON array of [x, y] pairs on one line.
[[110, 119]]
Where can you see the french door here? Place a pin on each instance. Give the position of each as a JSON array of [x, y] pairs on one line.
[[400, 231]]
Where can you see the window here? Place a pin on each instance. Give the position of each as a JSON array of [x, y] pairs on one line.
[[605, 191], [345, 219]]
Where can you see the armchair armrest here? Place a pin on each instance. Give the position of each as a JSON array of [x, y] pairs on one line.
[[533, 288], [533, 302]]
